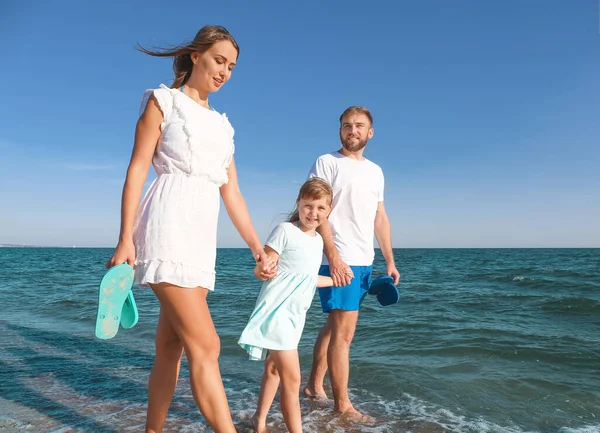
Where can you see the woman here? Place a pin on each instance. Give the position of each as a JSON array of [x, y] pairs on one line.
[[171, 238]]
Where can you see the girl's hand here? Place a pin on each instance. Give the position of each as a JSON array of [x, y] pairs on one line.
[[265, 265], [125, 252], [260, 275]]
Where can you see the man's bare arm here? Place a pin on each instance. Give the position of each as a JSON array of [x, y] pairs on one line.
[[383, 232], [340, 271]]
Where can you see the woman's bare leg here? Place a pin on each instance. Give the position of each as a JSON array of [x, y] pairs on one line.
[[164, 374], [190, 317]]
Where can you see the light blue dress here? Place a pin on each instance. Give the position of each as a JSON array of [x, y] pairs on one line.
[[280, 311]]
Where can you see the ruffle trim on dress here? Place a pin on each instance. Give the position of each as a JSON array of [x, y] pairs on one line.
[[164, 100], [255, 353], [156, 271], [212, 172], [231, 131]]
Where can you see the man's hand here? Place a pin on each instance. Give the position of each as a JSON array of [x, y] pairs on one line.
[[340, 272], [393, 272]]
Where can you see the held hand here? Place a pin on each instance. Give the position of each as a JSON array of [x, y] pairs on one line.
[[393, 272], [125, 252], [260, 275], [341, 274], [266, 265]]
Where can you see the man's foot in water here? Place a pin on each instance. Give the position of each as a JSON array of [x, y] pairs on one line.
[[259, 426], [314, 393], [353, 415]]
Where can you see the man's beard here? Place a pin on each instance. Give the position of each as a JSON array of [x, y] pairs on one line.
[[353, 146]]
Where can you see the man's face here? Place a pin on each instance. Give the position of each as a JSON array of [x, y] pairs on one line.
[[355, 131]]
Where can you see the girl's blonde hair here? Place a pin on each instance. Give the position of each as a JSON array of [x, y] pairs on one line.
[[314, 188]]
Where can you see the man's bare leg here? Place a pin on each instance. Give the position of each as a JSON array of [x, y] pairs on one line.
[[343, 325], [314, 386]]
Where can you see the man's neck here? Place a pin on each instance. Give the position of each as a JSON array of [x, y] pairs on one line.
[[358, 155]]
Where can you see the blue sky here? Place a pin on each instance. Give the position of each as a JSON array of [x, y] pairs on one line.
[[486, 112]]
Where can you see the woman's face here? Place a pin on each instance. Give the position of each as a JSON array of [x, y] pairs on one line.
[[212, 68]]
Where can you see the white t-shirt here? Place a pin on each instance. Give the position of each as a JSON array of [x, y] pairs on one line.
[[357, 191]]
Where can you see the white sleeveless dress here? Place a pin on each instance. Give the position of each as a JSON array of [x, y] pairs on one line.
[[175, 231]]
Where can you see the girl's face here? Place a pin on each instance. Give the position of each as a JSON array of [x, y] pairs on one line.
[[213, 67], [313, 212]]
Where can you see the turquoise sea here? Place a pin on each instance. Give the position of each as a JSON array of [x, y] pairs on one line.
[[483, 340]]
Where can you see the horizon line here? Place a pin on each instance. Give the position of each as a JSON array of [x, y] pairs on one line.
[[376, 248]]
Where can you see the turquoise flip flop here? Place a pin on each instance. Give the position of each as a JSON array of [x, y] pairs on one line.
[[129, 313], [385, 290], [114, 290]]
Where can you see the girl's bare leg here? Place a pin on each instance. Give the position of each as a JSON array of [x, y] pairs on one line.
[[288, 366], [268, 390]]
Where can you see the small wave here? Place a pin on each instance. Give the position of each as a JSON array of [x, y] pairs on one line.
[[538, 280], [65, 303], [546, 284], [570, 273], [512, 278], [9, 425], [586, 429], [422, 416], [572, 305]]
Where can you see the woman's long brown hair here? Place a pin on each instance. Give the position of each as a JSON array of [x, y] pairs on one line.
[[182, 61]]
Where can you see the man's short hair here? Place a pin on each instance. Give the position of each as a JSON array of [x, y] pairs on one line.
[[355, 109]]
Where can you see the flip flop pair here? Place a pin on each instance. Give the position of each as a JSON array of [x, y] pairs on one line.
[[383, 287], [116, 304]]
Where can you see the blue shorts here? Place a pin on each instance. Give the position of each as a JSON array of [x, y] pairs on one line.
[[347, 297]]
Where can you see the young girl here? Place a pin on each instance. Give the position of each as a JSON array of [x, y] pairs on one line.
[[171, 237], [276, 324]]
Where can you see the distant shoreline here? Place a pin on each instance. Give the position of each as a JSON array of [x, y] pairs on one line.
[[376, 249]]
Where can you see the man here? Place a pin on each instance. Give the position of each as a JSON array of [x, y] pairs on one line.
[[358, 213]]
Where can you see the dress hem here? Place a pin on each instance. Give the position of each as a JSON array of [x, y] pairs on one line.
[[157, 271]]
